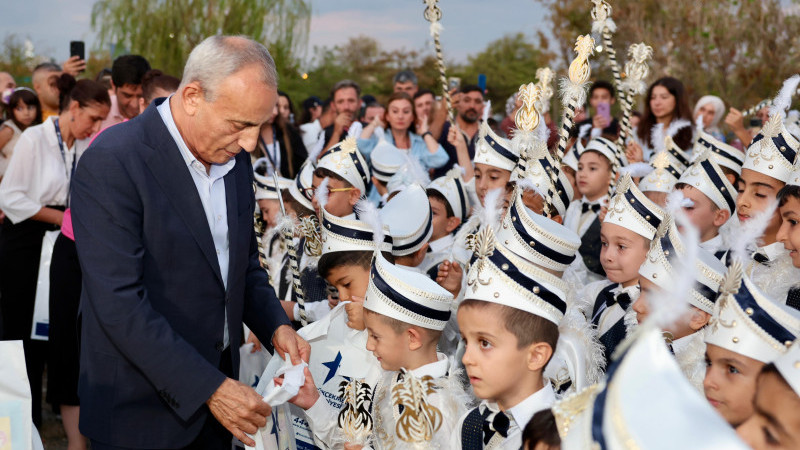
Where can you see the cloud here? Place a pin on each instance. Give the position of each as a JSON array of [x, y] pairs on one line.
[[337, 27]]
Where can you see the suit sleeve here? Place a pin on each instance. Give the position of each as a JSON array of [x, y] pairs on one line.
[[107, 217]]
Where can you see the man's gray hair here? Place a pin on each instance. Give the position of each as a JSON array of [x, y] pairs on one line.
[[218, 57]]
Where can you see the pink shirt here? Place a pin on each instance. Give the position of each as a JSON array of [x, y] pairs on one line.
[[66, 225], [114, 116]]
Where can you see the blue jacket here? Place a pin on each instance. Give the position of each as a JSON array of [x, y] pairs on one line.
[[418, 150], [153, 303]]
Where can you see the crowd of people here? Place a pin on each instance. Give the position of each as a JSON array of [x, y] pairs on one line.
[[454, 281]]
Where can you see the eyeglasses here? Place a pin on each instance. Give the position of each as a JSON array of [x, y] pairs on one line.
[[312, 190]]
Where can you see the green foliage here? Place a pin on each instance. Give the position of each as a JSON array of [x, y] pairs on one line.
[[18, 58], [165, 31], [740, 51]]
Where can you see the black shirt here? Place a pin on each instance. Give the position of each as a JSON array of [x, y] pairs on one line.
[[451, 151]]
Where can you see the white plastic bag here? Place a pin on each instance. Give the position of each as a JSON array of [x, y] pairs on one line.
[[41, 306], [16, 425], [251, 364]]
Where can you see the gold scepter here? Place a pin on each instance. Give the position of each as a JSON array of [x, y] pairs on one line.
[[636, 70], [573, 90], [604, 25], [294, 262], [433, 15]]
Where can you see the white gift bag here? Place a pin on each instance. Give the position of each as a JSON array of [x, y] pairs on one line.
[[16, 425], [41, 306], [251, 364]]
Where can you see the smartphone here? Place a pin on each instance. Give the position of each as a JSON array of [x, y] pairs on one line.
[[482, 81], [77, 48], [453, 83], [604, 110], [755, 122]]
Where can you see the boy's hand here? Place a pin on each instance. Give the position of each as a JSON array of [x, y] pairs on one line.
[[308, 394], [449, 277], [634, 152], [355, 313]]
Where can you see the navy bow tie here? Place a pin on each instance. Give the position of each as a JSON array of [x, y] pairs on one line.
[[623, 298], [760, 258], [589, 206], [494, 423]]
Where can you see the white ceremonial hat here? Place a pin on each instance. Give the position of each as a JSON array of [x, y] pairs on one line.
[[721, 153], [407, 296], [300, 189], [342, 235], [663, 177], [746, 322], [386, 160], [646, 402], [706, 176], [537, 170], [606, 148], [773, 151], [571, 158], [410, 220], [659, 266], [453, 188], [678, 157], [498, 275], [265, 186], [794, 177], [494, 151], [536, 238], [344, 159], [630, 208], [788, 365]]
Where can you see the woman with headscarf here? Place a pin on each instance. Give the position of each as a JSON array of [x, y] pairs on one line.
[[712, 108]]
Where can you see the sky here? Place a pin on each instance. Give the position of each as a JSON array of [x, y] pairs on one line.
[[468, 24]]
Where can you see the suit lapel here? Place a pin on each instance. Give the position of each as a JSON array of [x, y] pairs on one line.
[[172, 174]]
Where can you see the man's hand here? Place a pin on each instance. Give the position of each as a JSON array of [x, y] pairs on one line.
[[449, 277], [734, 120], [343, 121], [74, 65], [600, 122], [308, 393], [254, 340], [239, 409], [287, 341]]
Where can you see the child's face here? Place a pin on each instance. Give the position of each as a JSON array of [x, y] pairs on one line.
[[775, 423], [441, 224], [730, 383], [594, 175], [489, 346], [387, 345], [488, 178], [692, 320], [703, 213], [269, 211], [351, 282], [622, 252], [340, 202], [756, 192], [789, 232], [25, 113]]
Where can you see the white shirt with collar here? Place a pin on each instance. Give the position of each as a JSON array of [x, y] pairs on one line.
[[713, 245], [521, 413], [211, 189], [578, 221], [37, 174]]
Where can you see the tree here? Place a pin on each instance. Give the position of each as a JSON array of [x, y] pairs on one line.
[[740, 50], [18, 57], [507, 62], [165, 31]]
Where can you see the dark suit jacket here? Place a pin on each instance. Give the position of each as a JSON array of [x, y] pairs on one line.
[[153, 300]]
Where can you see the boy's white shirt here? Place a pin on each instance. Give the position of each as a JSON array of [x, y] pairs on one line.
[[522, 414], [449, 398], [777, 276], [337, 351], [714, 244], [576, 220]]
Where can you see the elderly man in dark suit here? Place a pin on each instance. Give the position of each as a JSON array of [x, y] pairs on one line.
[[162, 209]]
